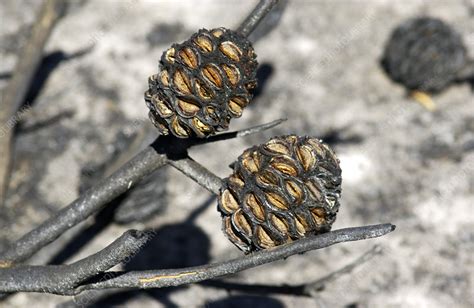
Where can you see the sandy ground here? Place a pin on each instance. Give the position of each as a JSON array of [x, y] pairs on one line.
[[401, 163]]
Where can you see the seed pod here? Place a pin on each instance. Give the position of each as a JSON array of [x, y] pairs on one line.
[[424, 54], [279, 192], [203, 83]]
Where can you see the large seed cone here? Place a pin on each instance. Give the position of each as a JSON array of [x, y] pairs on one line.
[[424, 54], [203, 83], [280, 191]]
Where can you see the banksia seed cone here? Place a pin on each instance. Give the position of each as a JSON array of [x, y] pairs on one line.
[[280, 191], [203, 83], [424, 54]]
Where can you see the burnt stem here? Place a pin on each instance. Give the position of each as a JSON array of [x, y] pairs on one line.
[[256, 16]]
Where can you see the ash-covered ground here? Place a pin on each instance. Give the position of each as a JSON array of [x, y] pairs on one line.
[[320, 68]]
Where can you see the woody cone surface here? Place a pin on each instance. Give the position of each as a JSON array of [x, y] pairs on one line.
[[279, 192], [202, 84]]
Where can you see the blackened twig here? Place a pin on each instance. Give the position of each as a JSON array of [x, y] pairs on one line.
[[312, 288], [15, 92], [62, 279], [307, 289], [176, 277], [89, 203], [241, 133], [256, 16], [270, 22], [258, 128], [198, 173]]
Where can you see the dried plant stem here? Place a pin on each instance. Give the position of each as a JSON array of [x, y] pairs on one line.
[[86, 205], [312, 288], [241, 133], [198, 173], [256, 16], [175, 277], [306, 289], [62, 279]]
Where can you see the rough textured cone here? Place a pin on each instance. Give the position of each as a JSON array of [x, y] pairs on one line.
[[203, 83], [424, 54], [280, 191]]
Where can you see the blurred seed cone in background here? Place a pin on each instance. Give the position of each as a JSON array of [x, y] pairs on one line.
[[424, 54], [280, 191], [202, 84]]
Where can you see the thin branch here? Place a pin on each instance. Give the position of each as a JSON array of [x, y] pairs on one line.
[[94, 199], [259, 128], [198, 173], [86, 205], [256, 16], [176, 277], [14, 94], [307, 289], [312, 288], [61, 279], [241, 133]]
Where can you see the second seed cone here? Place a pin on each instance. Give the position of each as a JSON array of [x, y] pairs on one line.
[[203, 83], [280, 191]]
